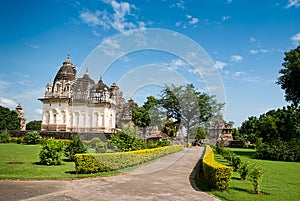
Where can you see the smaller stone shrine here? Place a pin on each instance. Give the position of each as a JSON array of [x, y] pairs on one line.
[[21, 116]]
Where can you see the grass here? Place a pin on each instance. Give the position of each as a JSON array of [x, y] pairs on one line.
[[280, 181], [18, 161]]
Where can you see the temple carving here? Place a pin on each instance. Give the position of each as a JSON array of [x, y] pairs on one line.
[[81, 105]]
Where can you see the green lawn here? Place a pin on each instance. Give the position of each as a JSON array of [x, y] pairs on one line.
[[281, 180], [21, 162]]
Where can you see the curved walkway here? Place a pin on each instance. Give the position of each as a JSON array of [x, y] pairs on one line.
[[165, 179]]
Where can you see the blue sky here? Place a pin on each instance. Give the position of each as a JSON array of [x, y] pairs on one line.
[[246, 41]]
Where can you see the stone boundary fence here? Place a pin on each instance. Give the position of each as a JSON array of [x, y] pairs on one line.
[[62, 134]]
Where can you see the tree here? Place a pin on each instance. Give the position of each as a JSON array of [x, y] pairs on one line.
[[201, 134], [189, 107], [249, 129], [9, 119], [34, 125], [144, 115], [289, 80]]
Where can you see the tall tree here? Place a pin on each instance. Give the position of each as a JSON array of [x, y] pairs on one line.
[[144, 115], [189, 107], [9, 119], [34, 125], [290, 74]]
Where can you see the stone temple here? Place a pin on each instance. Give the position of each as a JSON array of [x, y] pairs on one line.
[[81, 105]]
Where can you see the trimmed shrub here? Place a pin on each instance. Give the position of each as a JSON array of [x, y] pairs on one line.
[[255, 175], [51, 152], [92, 163], [74, 147], [217, 175], [5, 136], [244, 170], [32, 137]]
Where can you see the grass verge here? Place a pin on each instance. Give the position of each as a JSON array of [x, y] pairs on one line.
[[280, 181], [18, 161]]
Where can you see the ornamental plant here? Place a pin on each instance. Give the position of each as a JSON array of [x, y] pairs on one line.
[[243, 170], [74, 147], [255, 175], [32, 137], [51, 152]]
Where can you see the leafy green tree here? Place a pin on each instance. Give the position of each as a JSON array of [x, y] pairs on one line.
[[249, 129], [34, 125], [5, 136], [9, 119], [290, 73], [236, 134], [201, 134], [189, 107], [169, 128], [145, 115]]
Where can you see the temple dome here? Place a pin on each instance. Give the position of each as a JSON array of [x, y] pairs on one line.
[[100, 86], [67, 72], [85, 82]]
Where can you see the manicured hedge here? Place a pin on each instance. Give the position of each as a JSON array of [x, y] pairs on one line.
[[217, 175], [92, 163]]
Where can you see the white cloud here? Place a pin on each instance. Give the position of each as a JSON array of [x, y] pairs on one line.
[[4, 84], [295, 38], [192, 20], [175, 64], [220, 65], [252, 39], [90, 18], [179, 4], [226, 17], [293, 3], [259, 51], [39, 111], [239, 73], [7, 102], [117, 20], [236, 58]]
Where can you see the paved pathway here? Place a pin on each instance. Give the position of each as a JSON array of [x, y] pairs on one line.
[[168, 178]]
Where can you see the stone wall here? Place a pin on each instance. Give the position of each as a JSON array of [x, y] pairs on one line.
[[62, 134]]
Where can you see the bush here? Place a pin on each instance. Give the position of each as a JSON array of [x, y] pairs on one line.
[[101, 147], [94, 142], [92, 163], [74, 147], [32, 137], [163, 142], [243, 170], [279, 150], [51, 152], [127, 142], [217, 175], [255, 175], [152, 144], [5, 136]]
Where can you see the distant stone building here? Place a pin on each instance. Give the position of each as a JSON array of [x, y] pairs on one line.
[[81, 105], [220, 133], [21, 116]]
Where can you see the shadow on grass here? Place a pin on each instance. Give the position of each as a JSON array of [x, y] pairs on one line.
[[248, 154]]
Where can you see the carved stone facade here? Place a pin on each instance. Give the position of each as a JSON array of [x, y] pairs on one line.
[[81, 105], [21, 116]]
